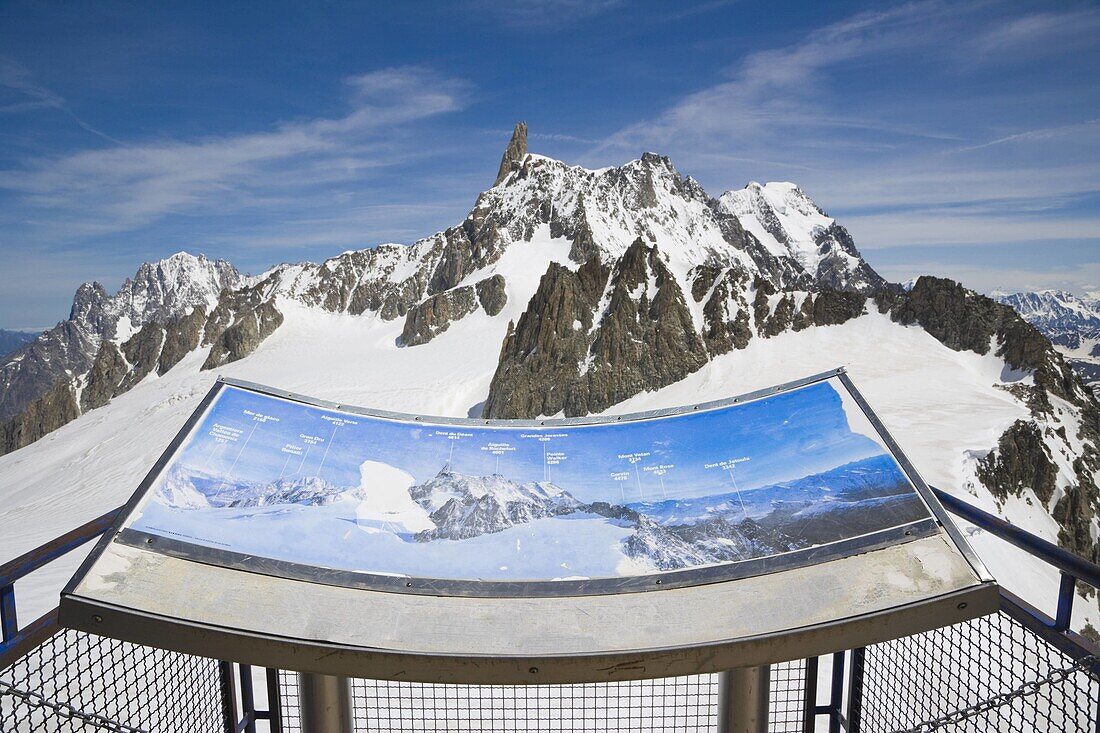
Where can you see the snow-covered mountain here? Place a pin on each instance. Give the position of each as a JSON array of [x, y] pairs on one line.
[[563, 291], [47, 375], [462, 506], [1071, 322], [189, 489]]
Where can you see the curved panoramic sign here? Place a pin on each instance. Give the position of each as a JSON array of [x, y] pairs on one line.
[[278, 484], [309, 535]]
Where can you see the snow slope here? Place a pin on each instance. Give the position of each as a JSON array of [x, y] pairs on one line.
[[943, 406]]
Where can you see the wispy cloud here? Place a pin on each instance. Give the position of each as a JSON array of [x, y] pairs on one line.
[[20, 93], [533, 14], [890, 162], [1043, 33], [783, 89], [104, 190], [1088, 127]]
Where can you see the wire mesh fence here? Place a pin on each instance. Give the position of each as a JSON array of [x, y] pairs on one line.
[[687, 704], [87, 683], [924, 677]]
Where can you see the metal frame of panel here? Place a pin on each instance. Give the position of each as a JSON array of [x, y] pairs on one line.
[[322, 655]]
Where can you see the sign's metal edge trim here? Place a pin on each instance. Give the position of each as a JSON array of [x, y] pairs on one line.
[[923, 489], [547, 422], [754, 567]]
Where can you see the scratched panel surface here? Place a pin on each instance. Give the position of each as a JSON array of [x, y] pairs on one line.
[[265, 478]]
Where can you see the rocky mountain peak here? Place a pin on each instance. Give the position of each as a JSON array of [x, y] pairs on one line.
[[514, 153], [88, 306]]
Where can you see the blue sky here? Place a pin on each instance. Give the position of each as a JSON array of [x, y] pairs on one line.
[[783, 437], [956, 138]]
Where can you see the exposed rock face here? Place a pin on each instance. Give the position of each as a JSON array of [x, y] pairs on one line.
[[104, 378], [564, 356], [1071, 322], [34, 370], [966, 321], [646, 338], [542, 354], [240, 322], [13, 340], [514, 153], [491, 294], [142, 352], [1024, 457], [43, 415], [181, 337], [725, 312], [435, 315], [1020, 462]]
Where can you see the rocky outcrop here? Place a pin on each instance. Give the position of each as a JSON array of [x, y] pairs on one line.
[[562, 356], [105, 376], [239, 323], [514, 153], [142, 352], [435, 315], [159, 292], [52, 358], [491, 294], [541, 355], [181, 337], [726, 320], [1020, 461], [43, 415], [1024, 457]]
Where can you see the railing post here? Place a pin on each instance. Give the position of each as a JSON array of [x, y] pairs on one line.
[[229, 697], [743, 697], [326, 703], [9, 622], [248, 699], [836, 697], [855, 689], [274, 702], [1066, 590], [809, 697]]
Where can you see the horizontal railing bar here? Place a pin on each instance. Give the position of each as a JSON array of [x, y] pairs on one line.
[[1049, 552], [1068, 642], [28, 638], [27, 563]]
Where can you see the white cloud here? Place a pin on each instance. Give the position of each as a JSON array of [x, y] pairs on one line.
[[119, 188], [548, 13], [1041, 33]]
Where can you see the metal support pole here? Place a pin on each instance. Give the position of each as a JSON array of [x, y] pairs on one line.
[[326, 703], [229, 697], [743, 700]]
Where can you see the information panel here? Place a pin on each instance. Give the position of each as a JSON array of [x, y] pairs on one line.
[[288, 486]]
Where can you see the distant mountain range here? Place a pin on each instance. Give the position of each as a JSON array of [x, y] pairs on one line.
[[12, 340], [1071, 322]]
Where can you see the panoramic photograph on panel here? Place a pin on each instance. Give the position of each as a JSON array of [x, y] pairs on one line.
[[271, 478]]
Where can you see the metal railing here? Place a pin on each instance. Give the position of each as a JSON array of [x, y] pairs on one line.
[[1017, 670]]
